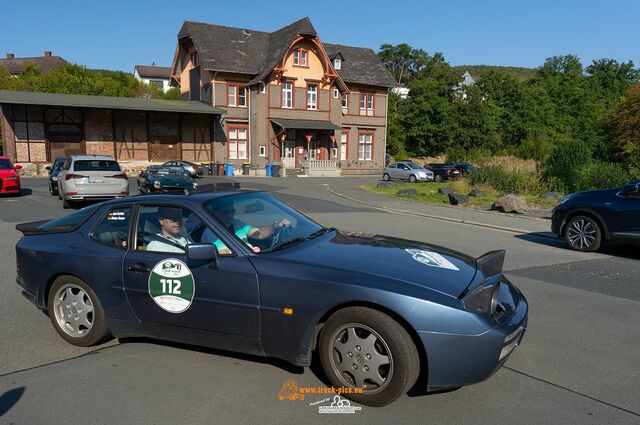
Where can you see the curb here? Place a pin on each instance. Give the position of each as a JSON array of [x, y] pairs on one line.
[[438, 217]]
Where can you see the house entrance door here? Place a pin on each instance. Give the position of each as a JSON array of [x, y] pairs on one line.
[[288, 154]]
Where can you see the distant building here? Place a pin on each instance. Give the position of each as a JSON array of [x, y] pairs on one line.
[[467, 80], [44, 63], [159, 76]]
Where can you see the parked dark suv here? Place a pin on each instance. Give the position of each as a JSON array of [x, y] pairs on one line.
[[587, 219], [444, 171]]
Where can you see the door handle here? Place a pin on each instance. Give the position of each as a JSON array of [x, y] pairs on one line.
[[140, 267]]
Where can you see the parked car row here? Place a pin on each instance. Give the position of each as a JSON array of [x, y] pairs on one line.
[[413, 172]]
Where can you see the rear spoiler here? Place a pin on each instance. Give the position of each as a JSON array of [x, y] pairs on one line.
[[33, 228], [491, 263]]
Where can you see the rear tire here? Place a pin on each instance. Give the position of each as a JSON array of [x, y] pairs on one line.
[[66, 204], [583, 234], [362, 347], [386, 177], [76, 312]]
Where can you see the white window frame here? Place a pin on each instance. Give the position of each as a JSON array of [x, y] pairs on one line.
[[287, 94], [345, 103], [366, 104], [336, 93], [233, 97], [344, 140], [305, 57], [312, 97], [365, 140], [296, 57], [234, 143], [242, 89], [263, 150], [337, 64], [263, 87]]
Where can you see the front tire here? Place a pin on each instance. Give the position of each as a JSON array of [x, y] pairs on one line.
[[438, 178], [583, 234], [365, 348], [412, 178], [76, 312], [386, 177]]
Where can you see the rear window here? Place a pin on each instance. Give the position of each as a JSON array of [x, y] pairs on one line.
[[71, 221], [95, 165]]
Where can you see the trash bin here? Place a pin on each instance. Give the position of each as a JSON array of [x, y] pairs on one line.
[[206, 168], [217, 169], [228, 171], [245, 168], [275, 170], [268, 169]]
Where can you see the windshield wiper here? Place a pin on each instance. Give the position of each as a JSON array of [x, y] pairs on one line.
[[296, 241], [319, 232]]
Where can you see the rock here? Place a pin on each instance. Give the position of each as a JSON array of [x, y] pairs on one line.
[[551, 195], [407, 192], [455, 199], [385, 185], [510, 203], [446, 191], [476, 192]]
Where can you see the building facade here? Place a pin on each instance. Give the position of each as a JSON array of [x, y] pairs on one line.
[[288, 96], [160, 76]]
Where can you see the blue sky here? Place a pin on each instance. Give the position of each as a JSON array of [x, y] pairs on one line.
[[119, 34]]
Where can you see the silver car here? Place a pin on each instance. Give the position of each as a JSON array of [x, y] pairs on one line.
[[407, 170], [91, 177], [193, 169]]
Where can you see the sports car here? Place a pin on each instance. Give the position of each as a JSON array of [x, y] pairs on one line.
[[165, 179], [9, 177], [243, 271]]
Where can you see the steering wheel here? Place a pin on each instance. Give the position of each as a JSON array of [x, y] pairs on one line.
[[280, 234]]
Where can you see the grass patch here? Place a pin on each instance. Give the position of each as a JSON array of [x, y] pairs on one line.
[[428, 193]]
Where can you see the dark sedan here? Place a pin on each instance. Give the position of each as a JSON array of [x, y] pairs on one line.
[[54, 169], [193, 169], [587, 219], [243, 271], [465, 168], [161, 179], [443, 172]]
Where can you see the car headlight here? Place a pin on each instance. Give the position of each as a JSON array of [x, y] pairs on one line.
[[565, 199], [195, 185], [483, 299], [157, 184], [11, 178], [422, 174], [54, 178]]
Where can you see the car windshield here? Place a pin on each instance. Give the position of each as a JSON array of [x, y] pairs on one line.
[[96, 165], [5, 164], [261, 221], [413, 165]]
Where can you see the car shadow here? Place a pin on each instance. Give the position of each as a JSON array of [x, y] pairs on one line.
[[25, 191], [9, 399], [614, 249]]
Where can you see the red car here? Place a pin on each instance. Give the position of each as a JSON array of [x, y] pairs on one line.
[[9, 177]]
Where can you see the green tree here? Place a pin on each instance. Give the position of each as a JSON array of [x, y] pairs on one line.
[[624, 127]]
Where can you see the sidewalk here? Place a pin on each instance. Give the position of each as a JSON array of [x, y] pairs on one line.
[[500, 221]]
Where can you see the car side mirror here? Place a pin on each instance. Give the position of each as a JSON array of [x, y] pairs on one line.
[[18, 167], [202, 253]]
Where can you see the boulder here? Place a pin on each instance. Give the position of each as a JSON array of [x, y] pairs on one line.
[[455, 199], [510, 203], [407, 192], [476, 192], [385, 185], [551, 195], [445, 191]]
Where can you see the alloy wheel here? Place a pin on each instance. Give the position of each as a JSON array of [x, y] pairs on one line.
[[581, 234], [73, 310]]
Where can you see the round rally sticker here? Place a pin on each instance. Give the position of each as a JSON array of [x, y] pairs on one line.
[[171, 285]]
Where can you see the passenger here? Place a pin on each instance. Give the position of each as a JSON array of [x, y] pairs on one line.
[[224, 211], [171, 237]]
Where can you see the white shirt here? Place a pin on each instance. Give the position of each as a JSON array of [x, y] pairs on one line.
[[161, 246]]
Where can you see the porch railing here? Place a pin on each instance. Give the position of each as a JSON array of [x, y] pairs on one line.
[[319, 164]]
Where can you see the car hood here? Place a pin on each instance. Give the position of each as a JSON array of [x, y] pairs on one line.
[[172, 180], [405, 261], [7, 172]]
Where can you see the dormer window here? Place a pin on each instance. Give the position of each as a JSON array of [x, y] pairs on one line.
[[337, 64], [300, 57]]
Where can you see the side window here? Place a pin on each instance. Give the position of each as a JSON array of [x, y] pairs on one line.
[[113, 230], [171, 229], [67, 164]]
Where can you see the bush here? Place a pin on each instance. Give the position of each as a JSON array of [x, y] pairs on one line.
[[602, 175], [479, 155], [505, 181], [565, 160], [455, 154], [537, 148]]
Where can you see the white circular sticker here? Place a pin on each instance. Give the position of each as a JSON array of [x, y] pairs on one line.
[[171, 285]]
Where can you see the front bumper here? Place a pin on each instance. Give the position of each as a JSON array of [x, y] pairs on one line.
[[455, 360]]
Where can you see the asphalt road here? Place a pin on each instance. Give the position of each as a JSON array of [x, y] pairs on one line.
[[578, 363]]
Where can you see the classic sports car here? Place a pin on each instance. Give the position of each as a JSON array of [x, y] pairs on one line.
[[164, 179], [243, 271]]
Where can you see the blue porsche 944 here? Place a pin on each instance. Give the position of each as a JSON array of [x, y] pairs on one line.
[[245, 272]]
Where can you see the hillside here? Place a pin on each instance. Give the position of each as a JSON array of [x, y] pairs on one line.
[[477, 71]]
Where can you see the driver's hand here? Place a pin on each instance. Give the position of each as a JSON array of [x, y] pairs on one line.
[[282, 223]]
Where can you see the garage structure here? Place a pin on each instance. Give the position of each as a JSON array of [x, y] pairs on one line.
[[37, 127]]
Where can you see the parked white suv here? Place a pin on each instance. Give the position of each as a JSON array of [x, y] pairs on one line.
[[91, 177]]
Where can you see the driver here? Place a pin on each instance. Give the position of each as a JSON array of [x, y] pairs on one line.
[[171, 237], [224, 211]]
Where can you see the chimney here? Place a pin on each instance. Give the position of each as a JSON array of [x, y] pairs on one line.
[[47, 54], [10, 56]]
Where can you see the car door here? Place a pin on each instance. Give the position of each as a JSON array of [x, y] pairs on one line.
[[163, 288], [626, 216], [403, 171]]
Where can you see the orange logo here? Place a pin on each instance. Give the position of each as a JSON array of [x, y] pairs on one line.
[[289, 391]]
